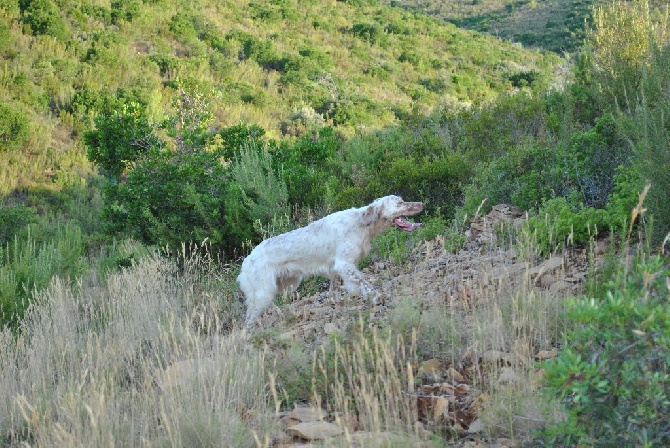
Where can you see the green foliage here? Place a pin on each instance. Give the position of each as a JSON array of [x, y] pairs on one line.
[[14, 218], [262, 192], [613, 376], [397, 245], [43, 17], [236, 137], [119, 139], [591, 160], [561, 222], [513, 120], [625, 195], [524, 176], [125, 10], [435, 180], [165, 197], [6, 38], [307, 165], [648, 128], [29, 260], [620, 42], [169, 199], [14, 128], [368, 32]]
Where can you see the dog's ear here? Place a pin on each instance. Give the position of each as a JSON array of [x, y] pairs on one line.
[[372, 213]]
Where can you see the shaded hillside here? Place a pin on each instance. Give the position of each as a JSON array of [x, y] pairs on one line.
[[275, 64], [556, 25]]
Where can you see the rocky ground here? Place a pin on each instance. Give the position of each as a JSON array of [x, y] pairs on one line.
[[448, 396]]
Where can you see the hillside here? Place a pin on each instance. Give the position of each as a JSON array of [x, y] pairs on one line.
[[555, 25], [274, 64], [213, 126]]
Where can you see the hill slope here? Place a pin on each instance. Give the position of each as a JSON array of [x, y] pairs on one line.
[[272, 64]]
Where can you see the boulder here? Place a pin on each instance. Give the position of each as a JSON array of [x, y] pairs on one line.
[[316, 430]]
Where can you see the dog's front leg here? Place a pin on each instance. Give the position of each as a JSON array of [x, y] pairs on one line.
[[354, 282]]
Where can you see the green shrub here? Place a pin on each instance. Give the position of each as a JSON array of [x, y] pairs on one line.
[[35, 254], [262, 191], [368, 32], [648, 128], [235, 138], [13, 219], [524, 176], [119, 139], [307, 164], [560, 222], [591, 159], [613, 376], [169, 199], [43, 17], [6, 37], [14, 128], [434, 180], [124, 10]]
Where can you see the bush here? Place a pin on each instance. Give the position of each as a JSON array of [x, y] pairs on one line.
[[434, 180], [591, 159], [308, 164], [235, 138], [560, 223], [13, 219], [37, 252], [124, 10], [14, 128], [613, 377], [367, 32], [119, 139], [43, 17], [262, 192], [169, 199], [524, 176]]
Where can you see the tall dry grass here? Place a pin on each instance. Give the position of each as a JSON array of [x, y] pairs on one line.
[[131, 361], [368, 385]]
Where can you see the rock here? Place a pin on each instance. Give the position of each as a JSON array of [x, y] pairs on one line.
[[483, 228], [372, 438], [317, 430], [476, 426], [543, 355], [307, 414], [347, 420], [288, 335], [462, 389], [549, 266], [453, 375], [508, 376], [441, 409], [330, 328], [432, 370], [479, 403]]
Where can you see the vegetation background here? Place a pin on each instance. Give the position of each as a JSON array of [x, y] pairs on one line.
[[132, 126]]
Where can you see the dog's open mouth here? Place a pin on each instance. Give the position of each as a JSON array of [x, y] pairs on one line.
[[404, 224]]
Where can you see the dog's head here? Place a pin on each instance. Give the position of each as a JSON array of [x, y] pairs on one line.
[[390, 211]]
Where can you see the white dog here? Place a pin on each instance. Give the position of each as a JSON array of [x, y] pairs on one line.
[[331, 247]]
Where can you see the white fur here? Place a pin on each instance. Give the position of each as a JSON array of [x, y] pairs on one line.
[[331, 247]]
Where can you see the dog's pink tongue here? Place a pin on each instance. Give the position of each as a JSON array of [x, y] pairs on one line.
[[405, 225]]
